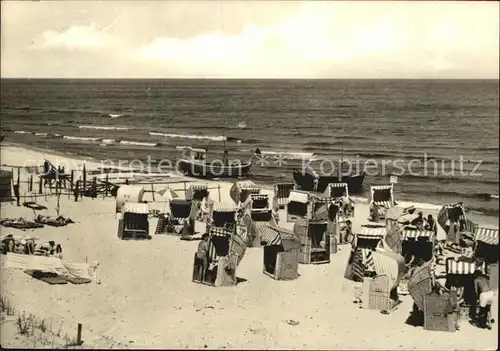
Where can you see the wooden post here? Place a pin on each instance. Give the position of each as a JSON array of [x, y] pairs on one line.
[[84, 178], [218, 189], [76, 190], [153, 191], [79, 334], [72, 179], [58, 194], [106, 188], [40, 187], [30, 184], [94, 188], [18, 176]]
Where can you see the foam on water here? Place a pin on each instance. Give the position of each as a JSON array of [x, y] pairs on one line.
[[103, 127], [188, 136]]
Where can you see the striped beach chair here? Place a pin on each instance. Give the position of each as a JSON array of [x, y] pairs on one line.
[[257, 202], [460, 277], [281, 194], [281, 253], [382, 196], [182, 211], [222, 213], [299, 206], [336, 190], [197, 192], [240, 191], [486, 247], [417, 242]]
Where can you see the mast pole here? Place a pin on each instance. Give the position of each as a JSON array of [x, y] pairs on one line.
[[341, 162]]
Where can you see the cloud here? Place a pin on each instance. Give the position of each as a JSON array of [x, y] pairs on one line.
[[75, 37], [253, 39]]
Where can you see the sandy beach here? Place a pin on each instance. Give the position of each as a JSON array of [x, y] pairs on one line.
[[146, 298]]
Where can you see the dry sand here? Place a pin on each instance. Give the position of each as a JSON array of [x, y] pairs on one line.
[[147, 300]]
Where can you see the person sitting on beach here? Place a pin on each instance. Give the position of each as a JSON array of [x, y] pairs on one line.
[[347, 205], [431, 224], [374, 213], [419, 221], [485, 295], [346, 232], [202, 255], [8, 244]]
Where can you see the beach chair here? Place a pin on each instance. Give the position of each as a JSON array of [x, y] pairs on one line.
[[128, 193], [381, 200], [256, 202], [182, 213], [315, 241], [338, 192], [299, 206], [281, 194], [197, 192], [460, 277], [452, 220], [360, 263], [417, 243], [225, 251], [380, 291], [222, 214], [134, 223], [281, 253], [440, 312], [240, 190], [486, 247], [256, 224]]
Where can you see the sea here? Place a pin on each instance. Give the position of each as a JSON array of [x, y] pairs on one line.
[[440, 137]]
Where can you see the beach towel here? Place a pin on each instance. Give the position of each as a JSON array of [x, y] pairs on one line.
[[20, 223], [34, 205], [46, 277]]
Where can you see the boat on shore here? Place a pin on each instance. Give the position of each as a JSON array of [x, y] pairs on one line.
[[193, 163], [309, 181]]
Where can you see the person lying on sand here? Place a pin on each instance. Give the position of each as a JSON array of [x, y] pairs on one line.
[[45, 248]]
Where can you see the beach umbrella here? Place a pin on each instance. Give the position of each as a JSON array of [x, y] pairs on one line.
[[167, 193]]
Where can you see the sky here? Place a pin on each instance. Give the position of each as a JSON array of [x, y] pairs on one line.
[[250, 39]]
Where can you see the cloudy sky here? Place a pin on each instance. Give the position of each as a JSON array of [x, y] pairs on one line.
[[261, 39]]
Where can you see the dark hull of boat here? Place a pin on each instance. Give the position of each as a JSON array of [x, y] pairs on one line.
[[208, 170], [305, 181]]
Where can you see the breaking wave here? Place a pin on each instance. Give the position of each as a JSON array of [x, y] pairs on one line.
[[103, 127]]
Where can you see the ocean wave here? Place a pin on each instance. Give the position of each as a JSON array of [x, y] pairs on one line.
[[191, 136], [22, 132], [138, 143], [108, 141], [68, 137], [113, 115], [41, 134], [464, 180], [103, 127]]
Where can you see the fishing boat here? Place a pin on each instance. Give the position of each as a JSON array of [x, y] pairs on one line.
[[309, 180], [193, 163]]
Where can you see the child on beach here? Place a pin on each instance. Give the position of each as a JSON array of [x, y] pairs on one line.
[[202, 255]]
